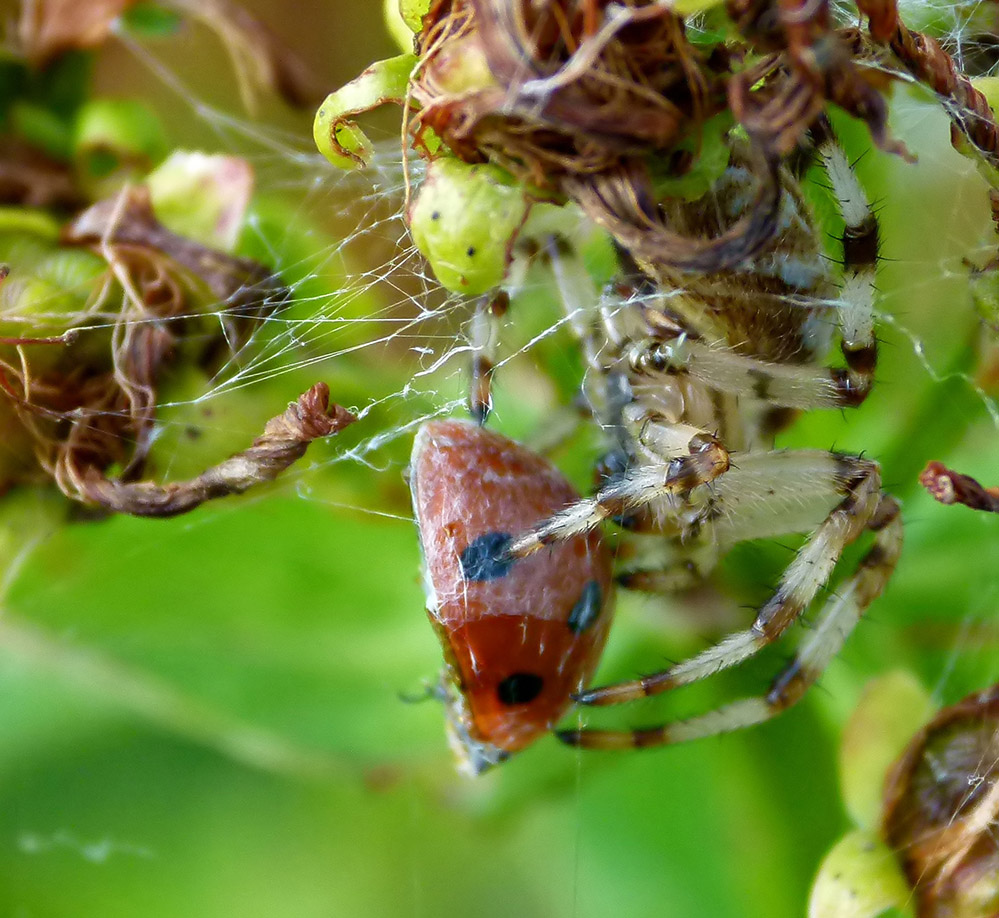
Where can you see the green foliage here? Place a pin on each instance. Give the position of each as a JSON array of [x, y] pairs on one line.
[[203, 715]]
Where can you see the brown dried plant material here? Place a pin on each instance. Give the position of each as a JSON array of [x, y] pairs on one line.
[[969, 111], [811, 64], [544, 91], [582, 97], [48, 28], [29, 178], [941, 810], [126, 223], [585, 98], [621, 201], [951, 487], [87, 403], [283, 442]]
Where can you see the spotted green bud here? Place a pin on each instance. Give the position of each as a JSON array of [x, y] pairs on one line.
[[338, 138], [860, 878], [464, 220]]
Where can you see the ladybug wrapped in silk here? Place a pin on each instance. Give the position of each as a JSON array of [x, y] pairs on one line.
[[520, 635]]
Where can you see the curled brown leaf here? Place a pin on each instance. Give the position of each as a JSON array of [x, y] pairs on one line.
[[284, 441]]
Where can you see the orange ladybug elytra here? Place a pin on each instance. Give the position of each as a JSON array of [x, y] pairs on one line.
[[519, 635]]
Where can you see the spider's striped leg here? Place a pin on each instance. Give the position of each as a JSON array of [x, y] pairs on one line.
[[836, 621], [811, 569], [484, 335], [579, 297], [596, 321], [743, 504], [655, 361], [700, 458], [860, 258]]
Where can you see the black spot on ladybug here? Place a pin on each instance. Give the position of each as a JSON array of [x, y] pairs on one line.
[[587, 610], [520, 688], [436, 215], [470, 251], [485, 557]]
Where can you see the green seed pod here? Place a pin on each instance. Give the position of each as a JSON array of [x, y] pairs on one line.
[[202, 197], [859, 878]]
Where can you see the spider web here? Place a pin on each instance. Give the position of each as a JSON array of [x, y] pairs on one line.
[[367, 316]]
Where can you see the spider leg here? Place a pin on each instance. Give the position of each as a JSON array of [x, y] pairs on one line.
[[484, 335], [785, 385], [651, 564], [743, 504], [671, 348], [701, 459], [835, 623], [811, 569], [860, 257]]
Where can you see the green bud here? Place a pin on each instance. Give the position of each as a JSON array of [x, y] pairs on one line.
[[860, 878], [202, 197], [891, 710], [464, 220], [460, 66], [114, 136]]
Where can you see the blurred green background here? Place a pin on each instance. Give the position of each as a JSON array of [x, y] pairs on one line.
[[205, 716]]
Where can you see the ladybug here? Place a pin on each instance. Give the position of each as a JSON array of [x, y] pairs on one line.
[[520, 636]]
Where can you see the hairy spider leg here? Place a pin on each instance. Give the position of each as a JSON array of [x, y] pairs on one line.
[[858, 480], [860, 245], [864, 508], [804, 387]]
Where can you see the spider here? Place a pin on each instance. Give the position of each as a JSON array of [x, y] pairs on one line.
[[712, 338], [683, 371]]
